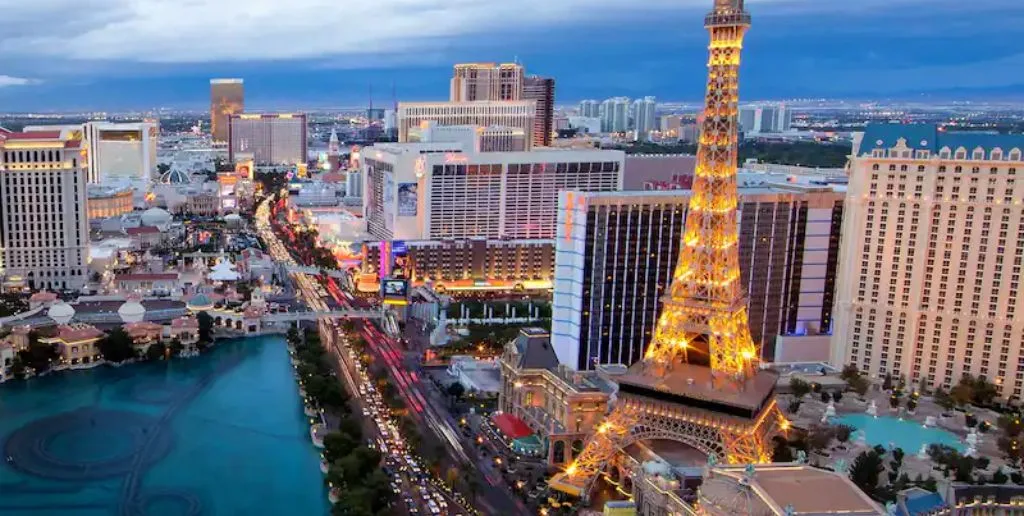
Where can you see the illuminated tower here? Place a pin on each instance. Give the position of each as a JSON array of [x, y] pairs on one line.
[[704, 319], [699, 383]]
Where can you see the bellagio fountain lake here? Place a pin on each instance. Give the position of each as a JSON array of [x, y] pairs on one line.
[[219, 434]]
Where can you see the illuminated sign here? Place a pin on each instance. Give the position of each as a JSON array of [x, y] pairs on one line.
[[399, 248], [244, 169], [451, 157], [395, 291]]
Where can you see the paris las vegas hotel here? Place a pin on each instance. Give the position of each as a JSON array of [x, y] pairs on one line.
[[933, 238]]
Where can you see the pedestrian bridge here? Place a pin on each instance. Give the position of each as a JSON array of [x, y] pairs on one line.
[[299, 269], [313, 316]]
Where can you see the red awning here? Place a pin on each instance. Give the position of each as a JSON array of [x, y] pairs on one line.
[[512, 426]]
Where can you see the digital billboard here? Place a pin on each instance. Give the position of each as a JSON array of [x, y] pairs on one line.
[[400, 260], [395, 291]]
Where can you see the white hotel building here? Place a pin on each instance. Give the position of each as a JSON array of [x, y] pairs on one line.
[[933, 239], [44, 227], [519, 114], [427, 191], [116, 152]]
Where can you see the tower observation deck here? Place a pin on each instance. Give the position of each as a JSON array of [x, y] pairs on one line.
[[699, 382]]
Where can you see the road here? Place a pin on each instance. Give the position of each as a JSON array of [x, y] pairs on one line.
[[430, 496]]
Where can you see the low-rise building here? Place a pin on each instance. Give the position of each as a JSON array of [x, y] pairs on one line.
[[482, 377], [560, 405], [144, 334], [108, 201], [7, 354], [77, 343], [255, 264], [185, 330], [146, 283], [144, 237], [780, 489], [474, 264]]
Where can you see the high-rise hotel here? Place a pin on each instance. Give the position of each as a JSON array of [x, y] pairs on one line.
[[44, 226], [438, 190], [413, 117], [933, 239], [615, 254], [227, 97], [487, 81]]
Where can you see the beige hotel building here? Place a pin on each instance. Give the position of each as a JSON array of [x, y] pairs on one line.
[[932, 245]]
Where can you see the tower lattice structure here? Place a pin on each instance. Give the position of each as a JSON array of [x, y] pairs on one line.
[[698, 382]]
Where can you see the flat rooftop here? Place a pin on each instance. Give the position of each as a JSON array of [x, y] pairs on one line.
[[809, 490], [695, 385]]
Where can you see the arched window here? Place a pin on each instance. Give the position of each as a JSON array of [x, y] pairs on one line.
[[997, 154], [577, 448], [961, 153], [559, 452], [979, 153], [945, 153]]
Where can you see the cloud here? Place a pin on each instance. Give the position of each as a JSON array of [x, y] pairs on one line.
[[7, 80], [202, 31]]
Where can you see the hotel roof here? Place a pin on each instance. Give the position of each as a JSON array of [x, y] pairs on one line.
[[934, 138], [807, 489]]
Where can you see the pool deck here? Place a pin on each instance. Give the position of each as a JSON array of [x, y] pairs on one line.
[[812, 408]]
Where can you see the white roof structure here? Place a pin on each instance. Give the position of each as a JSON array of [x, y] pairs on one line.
[[223, 271], [157, 217], [61, 312], [132, 311]]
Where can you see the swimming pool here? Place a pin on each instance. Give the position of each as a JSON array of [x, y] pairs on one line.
[[906, 434]]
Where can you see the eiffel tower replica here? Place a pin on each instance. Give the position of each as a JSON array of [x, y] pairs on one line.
[[699, 382]]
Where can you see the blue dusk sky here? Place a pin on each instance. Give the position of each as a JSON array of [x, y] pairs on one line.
[[141, 54]]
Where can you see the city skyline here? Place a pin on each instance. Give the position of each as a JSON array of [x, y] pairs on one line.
[[800, 49]]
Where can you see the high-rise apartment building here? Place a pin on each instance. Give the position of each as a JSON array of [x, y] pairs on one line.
[[429, 191], [278, 139], [44, 224], [487, 81], [521, 114], [644, 117], [933, 243], [590, 109], [114, 151], [615, 115], [227, 97], [615, 254], [767, 118], [542, 91]]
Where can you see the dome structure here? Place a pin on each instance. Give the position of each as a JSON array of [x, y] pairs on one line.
[[61, 312], [132, 311], [199, 302], [175, 177], [157, 217]]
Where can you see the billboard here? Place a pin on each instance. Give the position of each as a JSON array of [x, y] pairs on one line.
[[244, 169], [395, 291], [407, 199], [400, 260]]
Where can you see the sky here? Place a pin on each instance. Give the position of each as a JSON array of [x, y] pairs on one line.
[[63, 55]]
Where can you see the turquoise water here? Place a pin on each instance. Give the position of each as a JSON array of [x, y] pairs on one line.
[[908, 435], [222, 434]]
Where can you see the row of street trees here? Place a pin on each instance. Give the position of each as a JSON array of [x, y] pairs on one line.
[[354, 471]]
